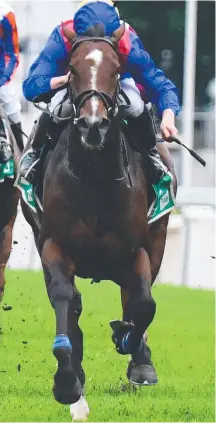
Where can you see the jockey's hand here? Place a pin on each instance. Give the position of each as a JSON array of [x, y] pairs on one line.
[[168, 124], [59, 81]]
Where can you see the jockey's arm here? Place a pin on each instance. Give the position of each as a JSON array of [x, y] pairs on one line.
[[9, 39], [47, 72], [2, 60], [160, 90]]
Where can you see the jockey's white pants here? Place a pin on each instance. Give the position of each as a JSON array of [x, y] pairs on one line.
[[128, 86], [10, 103], [137, 104]]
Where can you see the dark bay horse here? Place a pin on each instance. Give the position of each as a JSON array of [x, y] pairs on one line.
[[94, 219], [9, 197]]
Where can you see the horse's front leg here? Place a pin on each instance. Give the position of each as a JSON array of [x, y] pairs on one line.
[[80, 409], [5, 249], [138, 312], [58, 272]]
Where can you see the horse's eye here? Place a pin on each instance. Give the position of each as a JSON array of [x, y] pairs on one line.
[[73, 70]]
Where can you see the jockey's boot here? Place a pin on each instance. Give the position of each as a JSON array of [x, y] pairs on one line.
[[30, 158], [5, 147], [143, 127], [156, 167]]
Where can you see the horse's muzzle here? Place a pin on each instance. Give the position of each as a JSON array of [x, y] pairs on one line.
[[93, 131]]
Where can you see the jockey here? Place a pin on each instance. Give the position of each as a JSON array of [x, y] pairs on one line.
[[9, 60], [49, 74]]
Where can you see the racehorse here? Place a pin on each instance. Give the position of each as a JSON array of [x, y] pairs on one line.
[[94, 219], [9, 197]]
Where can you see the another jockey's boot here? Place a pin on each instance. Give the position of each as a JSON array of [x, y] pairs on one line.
[[5, 147], [17, 132], [31, 157]]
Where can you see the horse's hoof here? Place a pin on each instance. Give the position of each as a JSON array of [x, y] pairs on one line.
[[80, 410], [141, 374], [67, 388]]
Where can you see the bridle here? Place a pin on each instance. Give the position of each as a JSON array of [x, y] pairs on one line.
[[77, 102], [110, 103]]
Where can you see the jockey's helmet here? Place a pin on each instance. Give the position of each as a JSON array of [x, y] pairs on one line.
[[111, 2], [92, 13]]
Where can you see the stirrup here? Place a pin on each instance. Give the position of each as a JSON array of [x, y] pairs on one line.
[[5, 150]]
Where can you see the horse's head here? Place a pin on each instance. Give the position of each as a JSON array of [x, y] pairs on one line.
[[94, 82]]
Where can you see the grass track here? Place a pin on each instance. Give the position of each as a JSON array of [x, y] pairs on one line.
[[181, 339]]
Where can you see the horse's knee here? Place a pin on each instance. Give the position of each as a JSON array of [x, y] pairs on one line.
[[141, 311], [144, 309], [59, 286]]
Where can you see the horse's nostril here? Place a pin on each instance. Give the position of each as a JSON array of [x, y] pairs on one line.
[[88, 123], [82, 124], [104, 124]]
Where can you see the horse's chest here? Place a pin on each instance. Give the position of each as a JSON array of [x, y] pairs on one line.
[[96, 253], [108, 236]]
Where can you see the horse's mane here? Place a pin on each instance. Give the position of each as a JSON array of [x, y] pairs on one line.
[[96, 30]]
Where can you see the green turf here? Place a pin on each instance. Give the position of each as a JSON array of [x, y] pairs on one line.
[[181, 338]]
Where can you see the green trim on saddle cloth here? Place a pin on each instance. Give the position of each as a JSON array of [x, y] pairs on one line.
[[7, 170], [163, 203], [164, 200], [27, 191]]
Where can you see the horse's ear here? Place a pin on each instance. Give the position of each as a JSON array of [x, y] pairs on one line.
[[119, 32], [68, 33]]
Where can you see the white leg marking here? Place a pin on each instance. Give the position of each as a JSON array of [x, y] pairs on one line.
[[80, 410], [97, 57]]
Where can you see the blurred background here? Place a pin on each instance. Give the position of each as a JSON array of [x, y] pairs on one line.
[[180, 36]]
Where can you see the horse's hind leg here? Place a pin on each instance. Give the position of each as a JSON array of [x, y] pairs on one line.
[[80, 409], [58, 272], [138, 312], [5, 249]]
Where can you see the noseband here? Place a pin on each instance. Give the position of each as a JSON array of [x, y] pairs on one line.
[[109, 102]]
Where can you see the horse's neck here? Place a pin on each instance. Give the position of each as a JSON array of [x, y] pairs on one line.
[[97, 165]]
